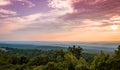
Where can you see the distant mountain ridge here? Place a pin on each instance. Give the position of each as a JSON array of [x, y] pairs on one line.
[[30, 46], [46, 45]]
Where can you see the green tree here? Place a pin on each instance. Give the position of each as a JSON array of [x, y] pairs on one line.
[[14, 59], [39, 60], [51, 66], [117, 53], [82, 64], [23, 60], [100, 62], [114, 61], [41, 67], [71, 60], [23, 67], [59, 55], [77, 51]]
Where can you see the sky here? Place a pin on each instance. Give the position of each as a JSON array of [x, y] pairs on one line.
[[60, 20]]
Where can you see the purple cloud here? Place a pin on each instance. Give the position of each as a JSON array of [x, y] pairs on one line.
[[102, 8], [25, 18]]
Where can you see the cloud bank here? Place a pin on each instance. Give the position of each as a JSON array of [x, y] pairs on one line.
[[65, 20]]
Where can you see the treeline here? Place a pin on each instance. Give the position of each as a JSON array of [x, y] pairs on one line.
[[71, 59]]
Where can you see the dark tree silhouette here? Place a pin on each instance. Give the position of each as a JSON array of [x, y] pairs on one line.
[[77, 51]]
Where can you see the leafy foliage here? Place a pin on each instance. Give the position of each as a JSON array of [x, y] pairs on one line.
[[71, 59], [77, 51]]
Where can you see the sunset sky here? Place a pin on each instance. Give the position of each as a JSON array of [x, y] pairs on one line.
[[60, 20]]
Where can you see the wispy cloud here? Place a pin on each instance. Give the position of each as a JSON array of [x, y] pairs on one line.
[[9, 25], [8, 2], [65, 20], [64, 5], [7, 12], [4, 2], [30, 4]]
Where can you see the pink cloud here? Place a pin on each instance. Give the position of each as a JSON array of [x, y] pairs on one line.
[[7, 12], [30, 4], [8, 2], [90, 2], [64, 5], [68, 5], [4, 2], [7, 28], [9, 25]]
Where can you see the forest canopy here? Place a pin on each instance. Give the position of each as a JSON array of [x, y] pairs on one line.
[[71, 59]]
